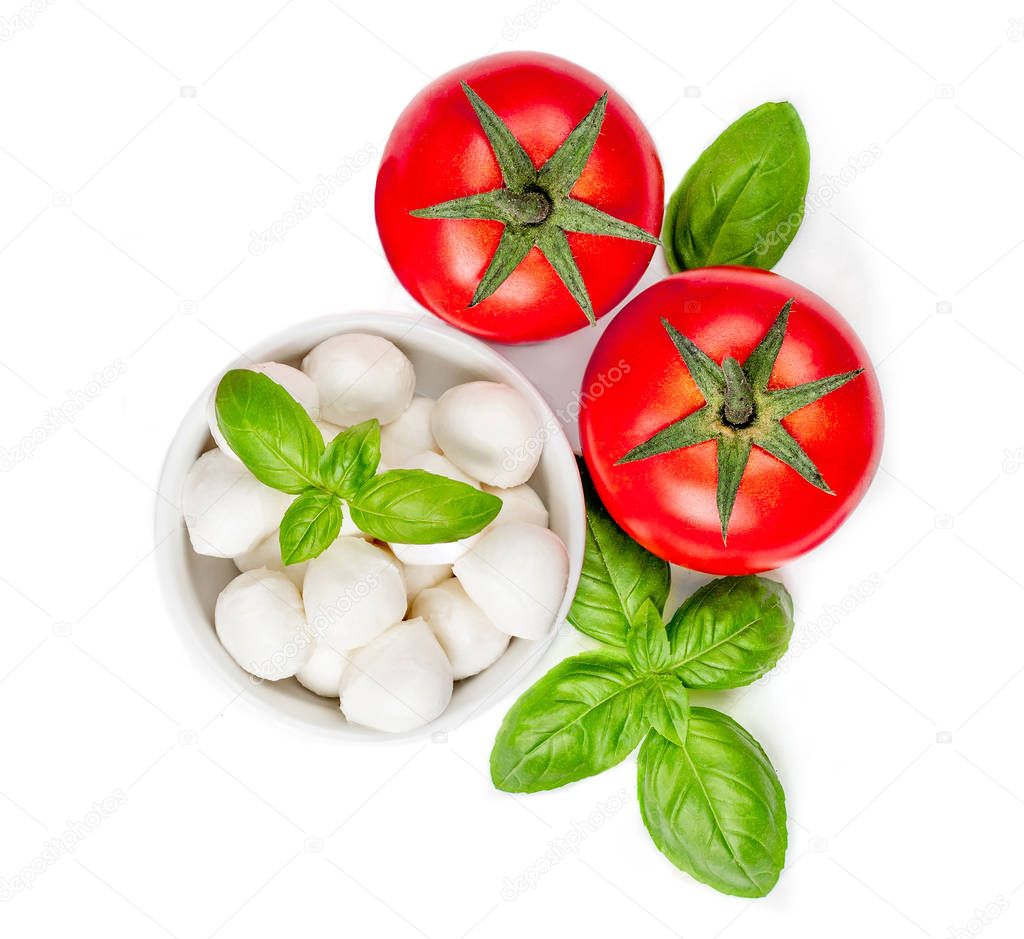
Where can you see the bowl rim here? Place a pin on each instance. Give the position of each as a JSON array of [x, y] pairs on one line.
[[169, 526]]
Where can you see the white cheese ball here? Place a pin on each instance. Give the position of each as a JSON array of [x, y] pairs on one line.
[[439, 465], [418, 577], [489, 431], [410, 434], [517, 575], [392, 560], [469, 639], [268, 554], [321, 672], [519, 504], [260, 621], [359, 377], [445, 552], [352, 593], [227, 510], [299, 385], [400, 681]]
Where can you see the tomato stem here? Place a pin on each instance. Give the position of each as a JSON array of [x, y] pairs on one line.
[[738, 407], [531, 207]]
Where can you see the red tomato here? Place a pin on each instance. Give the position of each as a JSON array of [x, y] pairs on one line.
[[637, 384], [438, 151]]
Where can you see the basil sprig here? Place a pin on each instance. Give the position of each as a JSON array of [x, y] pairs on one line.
[[416, 507], [730, 632], [269, 431], [708, 794], [351, 459], [274, 437], [582, 717], [618, 576], [310, 523], [714, 806], [742, 202]]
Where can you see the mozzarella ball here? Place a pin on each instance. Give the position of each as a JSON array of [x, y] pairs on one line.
[[260, 621], [392, 560], [418, 577], [446, 552], [517, 575], [359, 377], [439, 465], [469, 639], [321, 672], [227, 510], [410, 434], [352, 593], [489, 431], [400, 681], [299, 385], [432, 555], [268, 554], [519, 504], [328, 430]]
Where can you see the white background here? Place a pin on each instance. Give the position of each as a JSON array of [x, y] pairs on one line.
[[142, 144]]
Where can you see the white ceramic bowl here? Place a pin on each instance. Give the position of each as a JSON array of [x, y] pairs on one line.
[[442, 357]]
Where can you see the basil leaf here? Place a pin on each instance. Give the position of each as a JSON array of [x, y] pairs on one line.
[[730, 632], [743, 200], [714, 806], [618, 576], [647, 641], [668, 707], [581, 718], [269, 431], [351, 458], [417, 507], [311, 524]]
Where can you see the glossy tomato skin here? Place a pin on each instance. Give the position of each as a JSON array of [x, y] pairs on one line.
[[667, 502], [438, 151]]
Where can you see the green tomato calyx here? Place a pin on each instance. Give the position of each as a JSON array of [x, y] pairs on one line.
[[741, 413], [534, 204]]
